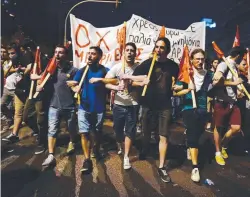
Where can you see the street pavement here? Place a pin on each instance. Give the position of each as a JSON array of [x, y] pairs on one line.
[[23, 175]]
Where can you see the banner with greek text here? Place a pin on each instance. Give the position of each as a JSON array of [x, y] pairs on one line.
[[140, 31]]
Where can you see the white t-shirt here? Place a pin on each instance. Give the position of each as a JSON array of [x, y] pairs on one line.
[[12, 80], [124, 98], [222, 67]]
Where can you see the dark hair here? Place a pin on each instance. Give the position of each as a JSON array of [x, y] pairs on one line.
[[62, 46], [27, 43], [3, 47], [132, 45], [237, 51], [13, 46], [167, 44], [214, 59], [97, 49], [195, 51]]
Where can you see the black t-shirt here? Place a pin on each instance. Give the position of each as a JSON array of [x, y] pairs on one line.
[[159, 91]]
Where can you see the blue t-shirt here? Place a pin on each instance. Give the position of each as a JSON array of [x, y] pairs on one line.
[[93, 96], [200, 96]]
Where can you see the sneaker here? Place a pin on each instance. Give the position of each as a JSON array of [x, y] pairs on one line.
[[138, 130], [126, 163], [39, 149], [195, 175], [11, 138], [220, 160], [119, 148], [224, 153], [164, 175], [87, 166], [188, 154], [71, 148], [50, 160]]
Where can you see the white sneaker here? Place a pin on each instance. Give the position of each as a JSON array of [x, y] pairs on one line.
[[50, 159], [188, 154], [126, 163], [195, 175]]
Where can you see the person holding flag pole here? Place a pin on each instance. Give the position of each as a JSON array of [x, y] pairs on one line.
[[193, 82], [226, 112], [92, 106], [62, 103], [36, 70], [156, 104]]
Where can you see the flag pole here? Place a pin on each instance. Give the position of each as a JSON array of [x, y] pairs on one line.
[[149, 73], [43, 84], [34, 71], [82, 79], [231, 70]]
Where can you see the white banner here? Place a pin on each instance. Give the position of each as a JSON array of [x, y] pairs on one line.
[[140, 31]]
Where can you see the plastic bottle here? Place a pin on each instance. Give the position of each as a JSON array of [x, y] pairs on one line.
[[209, 182]]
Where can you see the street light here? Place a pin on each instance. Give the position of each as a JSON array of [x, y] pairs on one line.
[[81, 2]]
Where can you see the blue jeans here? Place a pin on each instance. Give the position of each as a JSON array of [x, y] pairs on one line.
[[54, 118], [125, 116], [90, 121]]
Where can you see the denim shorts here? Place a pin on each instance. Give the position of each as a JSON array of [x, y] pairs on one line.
[[90, 121], [54, 117], [125, 116]]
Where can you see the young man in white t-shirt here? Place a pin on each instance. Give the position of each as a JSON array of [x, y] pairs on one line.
[[126, 107], [227, 116]]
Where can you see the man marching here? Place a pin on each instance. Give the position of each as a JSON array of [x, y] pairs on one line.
[[62, 103], [156, 105], [226, 112], [92, 107]]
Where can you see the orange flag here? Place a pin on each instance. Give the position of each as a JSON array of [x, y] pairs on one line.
[[237, 38], [219, 52], [186, 69], [51, 67], [162, 33], [121, 37]]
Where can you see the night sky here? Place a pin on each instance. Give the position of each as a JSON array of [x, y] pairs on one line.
[[43, 20]]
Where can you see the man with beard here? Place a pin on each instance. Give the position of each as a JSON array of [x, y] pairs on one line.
[[62, 104], [156, 104], [92, 107]]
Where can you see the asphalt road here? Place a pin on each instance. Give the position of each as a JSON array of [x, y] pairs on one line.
[[23, 175]]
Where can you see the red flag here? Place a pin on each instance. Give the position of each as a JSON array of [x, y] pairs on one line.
[[237, 38], [37, 61], [51, 67], [186, 69], [219, 52]]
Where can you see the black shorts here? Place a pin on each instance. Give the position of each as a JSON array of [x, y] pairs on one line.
[[160, 119], [194, 120]]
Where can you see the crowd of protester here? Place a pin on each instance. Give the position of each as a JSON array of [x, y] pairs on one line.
[[79, 97]]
